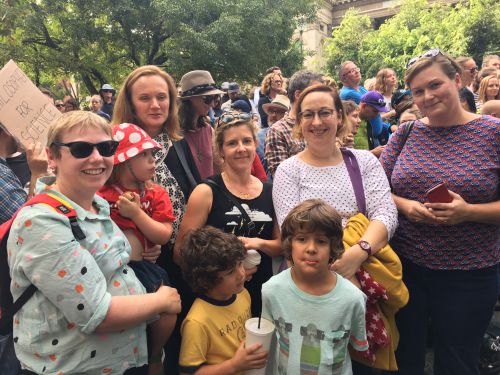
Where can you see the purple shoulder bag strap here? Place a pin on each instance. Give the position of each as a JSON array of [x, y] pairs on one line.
[[355, 175]]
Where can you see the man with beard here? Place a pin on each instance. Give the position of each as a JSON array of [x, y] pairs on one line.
[[107, 93], [370, 106]]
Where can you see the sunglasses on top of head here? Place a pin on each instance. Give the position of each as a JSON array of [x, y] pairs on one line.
[[81, 149], [430, 53], [234, 116]]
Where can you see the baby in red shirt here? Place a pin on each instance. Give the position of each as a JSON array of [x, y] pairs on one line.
[[142, 210]]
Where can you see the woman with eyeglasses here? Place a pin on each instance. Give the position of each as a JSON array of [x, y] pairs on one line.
[[448, 238], [220, 200], [321, 171], [89, 312], [198, 93], [272, 85]]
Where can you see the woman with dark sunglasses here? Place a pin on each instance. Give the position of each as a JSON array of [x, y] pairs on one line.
[[213, 202], [88, 304], [198, 93], [449, 243]]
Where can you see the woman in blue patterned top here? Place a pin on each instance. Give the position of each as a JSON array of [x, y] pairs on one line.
[[450, 251]]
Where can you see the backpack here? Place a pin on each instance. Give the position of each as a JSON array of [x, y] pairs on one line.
[[8, 308]]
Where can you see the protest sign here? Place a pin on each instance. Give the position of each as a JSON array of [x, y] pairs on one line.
[[24, 110]]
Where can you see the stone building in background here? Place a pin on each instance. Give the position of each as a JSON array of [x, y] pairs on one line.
[[330, 15]]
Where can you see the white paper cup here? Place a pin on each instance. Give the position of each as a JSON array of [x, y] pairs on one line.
[[262, 336], [252, 259]]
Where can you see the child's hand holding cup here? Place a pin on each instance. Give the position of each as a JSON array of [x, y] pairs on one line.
[[251, 262]]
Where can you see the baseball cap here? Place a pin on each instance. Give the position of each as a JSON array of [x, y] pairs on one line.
[[375, 99], [242, 106], [233, 87]]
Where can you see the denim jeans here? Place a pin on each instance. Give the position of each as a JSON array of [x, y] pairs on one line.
[[459, 304]]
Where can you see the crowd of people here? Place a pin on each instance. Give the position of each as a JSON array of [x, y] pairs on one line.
[[174, 183]]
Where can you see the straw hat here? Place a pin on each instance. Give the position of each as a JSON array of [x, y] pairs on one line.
[[279, 103], [198, 82]]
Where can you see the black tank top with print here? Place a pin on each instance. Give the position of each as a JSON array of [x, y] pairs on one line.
[[227, 217]]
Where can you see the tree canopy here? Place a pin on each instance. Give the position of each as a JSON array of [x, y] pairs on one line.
[[469, 28], [102, 41]]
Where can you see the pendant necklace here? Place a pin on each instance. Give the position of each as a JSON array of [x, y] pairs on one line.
[[239, 193]]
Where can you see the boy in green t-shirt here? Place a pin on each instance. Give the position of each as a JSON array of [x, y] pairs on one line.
[[317, 312]]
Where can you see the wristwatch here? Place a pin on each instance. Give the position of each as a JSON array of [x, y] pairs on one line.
[[365, 245]]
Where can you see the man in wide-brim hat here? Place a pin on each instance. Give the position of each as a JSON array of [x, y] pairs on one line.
[[275, 111], [277, 108]]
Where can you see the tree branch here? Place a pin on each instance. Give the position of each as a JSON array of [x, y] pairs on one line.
[[49, 42], [88, 83], [128, 37]]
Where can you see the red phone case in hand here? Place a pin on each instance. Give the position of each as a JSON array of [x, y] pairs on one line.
[[439, 194]]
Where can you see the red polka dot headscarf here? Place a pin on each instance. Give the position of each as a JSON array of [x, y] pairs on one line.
[[133, 140]]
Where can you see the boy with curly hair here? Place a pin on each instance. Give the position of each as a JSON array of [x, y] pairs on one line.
[[213, 332], [317, 312]]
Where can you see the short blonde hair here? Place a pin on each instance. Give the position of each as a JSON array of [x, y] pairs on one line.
[[124, 110], [97, 97], [84, 120]]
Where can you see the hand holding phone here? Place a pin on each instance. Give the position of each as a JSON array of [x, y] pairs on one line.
[[439, 194]]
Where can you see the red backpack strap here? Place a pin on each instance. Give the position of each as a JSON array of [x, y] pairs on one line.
[[61, 206], [58, 204]]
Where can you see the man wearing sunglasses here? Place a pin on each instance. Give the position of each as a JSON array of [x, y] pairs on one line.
[[107, 93], [469, 70], [59, 105]]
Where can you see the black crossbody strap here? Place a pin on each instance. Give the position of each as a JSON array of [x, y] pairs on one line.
[[407, 127], [233, 200], [182, 158]]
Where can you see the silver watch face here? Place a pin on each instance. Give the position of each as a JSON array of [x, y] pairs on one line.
[[365, 245]]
